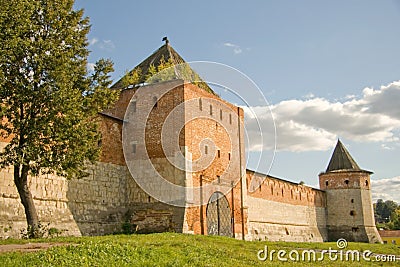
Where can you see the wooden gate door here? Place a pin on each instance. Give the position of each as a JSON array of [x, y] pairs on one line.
[[219, 215]]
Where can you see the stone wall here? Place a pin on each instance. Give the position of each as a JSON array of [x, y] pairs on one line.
[[276, 221], [50, 200], [95, 205], [350, 213], [279, 210]]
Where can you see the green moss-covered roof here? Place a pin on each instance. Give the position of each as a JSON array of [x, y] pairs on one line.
[[164, 64]]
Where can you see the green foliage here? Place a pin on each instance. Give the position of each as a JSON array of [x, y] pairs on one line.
[[40, 231], [165, 71], [132, 77], [387, 214], [127, 228], [55, 232], [394, 223], [151, 72], [48, 101], [171, 249]]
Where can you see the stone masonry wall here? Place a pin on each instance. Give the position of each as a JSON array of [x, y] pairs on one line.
[[350, 212], [279, 210], [95, 205]]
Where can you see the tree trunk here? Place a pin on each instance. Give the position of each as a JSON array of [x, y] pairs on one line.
[[21, 181]]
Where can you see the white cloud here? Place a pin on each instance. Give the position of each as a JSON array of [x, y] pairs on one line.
[[236, 48], [107, 45], [102, 44], [386, 189], [315, 123], [90, 67], [93, 41]]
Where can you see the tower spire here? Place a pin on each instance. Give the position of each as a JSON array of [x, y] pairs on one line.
[[342, 160]]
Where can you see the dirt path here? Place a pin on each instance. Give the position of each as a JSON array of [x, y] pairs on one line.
[[29, 247]]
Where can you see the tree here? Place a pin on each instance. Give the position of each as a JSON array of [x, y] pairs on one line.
[[49, 102], [387, 214], [394, 223]]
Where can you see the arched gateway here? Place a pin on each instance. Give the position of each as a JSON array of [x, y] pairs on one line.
[[219, 215]]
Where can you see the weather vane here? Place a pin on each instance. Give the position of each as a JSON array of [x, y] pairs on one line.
[[166, 40]]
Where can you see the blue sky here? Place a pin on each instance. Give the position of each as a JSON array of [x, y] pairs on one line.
[[313, 60]]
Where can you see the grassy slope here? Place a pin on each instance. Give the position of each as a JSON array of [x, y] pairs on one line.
[[170, 249]]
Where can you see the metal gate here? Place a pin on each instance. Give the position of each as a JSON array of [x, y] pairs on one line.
[[219, 215]]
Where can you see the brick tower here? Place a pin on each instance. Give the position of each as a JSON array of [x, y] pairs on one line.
[[348, 194], [189, 157]]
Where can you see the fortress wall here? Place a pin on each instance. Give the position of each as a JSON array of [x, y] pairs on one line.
[[50, 201], [282, 210], [275, 189], [96, 205], [277, 221], [212, 141], [92, 205]]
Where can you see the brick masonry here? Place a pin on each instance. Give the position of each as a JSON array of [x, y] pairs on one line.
[[350, 213], [209, 131]]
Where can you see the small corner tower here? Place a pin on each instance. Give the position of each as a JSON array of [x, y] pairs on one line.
[[348, 199]]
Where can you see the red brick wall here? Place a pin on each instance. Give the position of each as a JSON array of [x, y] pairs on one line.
[[220, 126], [283, 191], [111, 140], [343, 180]]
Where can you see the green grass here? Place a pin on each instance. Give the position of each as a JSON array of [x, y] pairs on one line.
[[171, 249]]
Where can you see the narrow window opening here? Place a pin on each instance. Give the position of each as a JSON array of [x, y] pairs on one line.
[[220, 114], [211, 111], [352, 213], [326, 183], [206, 149], [366, 182], [291, 193], [149, 199], [229, 156], [230, 118], [352, 200], [133, 105], [200, 104], [272, 190], [219, 179], [346, 181], [282, 192], [219, 153], [134, 148]]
